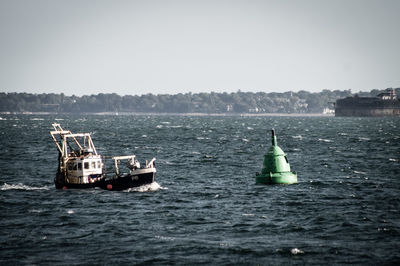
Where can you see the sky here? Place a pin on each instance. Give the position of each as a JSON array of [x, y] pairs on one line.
[[85, 47]]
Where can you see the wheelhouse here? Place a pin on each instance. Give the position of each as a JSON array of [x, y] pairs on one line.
[[78, 158]]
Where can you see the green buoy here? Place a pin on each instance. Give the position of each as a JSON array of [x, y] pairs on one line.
[[276, 168]]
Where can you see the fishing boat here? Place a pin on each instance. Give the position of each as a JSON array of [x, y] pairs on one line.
[[80, 166]]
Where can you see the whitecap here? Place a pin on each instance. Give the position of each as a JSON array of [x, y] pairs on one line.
[[70, 212], [363, 139], [247, 214], [245, 140], [359, 172], [325, 140], [144, 136], [250, 128], [296, 251], [37, 119], [393, 160], [168, 238], [297, 137], [159, 126], [20, 186], [343, 134], [35, 211], [59, 119]]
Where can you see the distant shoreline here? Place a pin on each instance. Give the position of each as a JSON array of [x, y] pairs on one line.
[[178, 114]]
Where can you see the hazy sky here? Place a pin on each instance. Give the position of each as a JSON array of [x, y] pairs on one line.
[[137, 47]]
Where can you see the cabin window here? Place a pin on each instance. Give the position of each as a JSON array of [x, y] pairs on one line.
[[86, 165], [98, 164], [79, 166], [75, 166], [286, 159], [70, 166], [93, 165]]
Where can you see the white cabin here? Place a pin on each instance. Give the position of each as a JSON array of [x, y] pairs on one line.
[[79, 161], [84, 170]]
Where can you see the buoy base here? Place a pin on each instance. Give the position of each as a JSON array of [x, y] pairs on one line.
[[277, 178]]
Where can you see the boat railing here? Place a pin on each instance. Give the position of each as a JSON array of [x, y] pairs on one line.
[[117, 160], [151, 163], [132, 163]]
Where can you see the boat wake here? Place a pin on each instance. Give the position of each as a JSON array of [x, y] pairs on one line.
[[20, 186], [145, 188]]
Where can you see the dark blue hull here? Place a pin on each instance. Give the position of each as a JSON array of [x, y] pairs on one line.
[[119, 183], [127, 181]]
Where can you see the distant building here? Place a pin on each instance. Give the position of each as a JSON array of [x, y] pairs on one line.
[[328, 110], [389, 94], [384, 104]]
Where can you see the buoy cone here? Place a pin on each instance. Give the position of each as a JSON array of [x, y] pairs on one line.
[[276, 168]]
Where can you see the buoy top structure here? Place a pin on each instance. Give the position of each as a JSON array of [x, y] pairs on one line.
[[276, 168]]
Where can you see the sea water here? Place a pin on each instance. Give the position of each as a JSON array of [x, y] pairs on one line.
[[205, 207]]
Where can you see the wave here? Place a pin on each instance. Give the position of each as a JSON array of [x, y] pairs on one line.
[[359, 172], [145, 188], [325, 140], [20, 186], [296, 251], [36, 210], [5, 119]]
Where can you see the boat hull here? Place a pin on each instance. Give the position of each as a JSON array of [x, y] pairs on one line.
[[122, 182], [128, 181]]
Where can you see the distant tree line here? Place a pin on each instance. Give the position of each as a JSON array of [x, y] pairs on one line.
[[235, 102]]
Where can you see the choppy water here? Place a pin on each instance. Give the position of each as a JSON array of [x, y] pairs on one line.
[[205, 207]]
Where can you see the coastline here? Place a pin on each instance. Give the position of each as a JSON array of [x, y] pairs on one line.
[[178, 114]]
